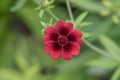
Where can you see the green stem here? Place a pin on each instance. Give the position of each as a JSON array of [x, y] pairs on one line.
[[94, 48], [70, 11], [102, 52], [53, 15]]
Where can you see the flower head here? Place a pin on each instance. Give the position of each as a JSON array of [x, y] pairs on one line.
[[62, 40]]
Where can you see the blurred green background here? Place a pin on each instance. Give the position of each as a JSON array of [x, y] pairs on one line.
[[22, 56]]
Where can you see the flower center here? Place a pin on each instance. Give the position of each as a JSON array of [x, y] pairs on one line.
[[62, 40]]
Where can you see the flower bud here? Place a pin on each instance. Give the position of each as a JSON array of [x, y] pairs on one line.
[[44, 4]]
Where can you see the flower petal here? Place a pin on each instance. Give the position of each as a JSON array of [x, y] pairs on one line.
[[70, 25], [52, 47], [60, 23], [63, 27], [75, 36], [72, 48], [66, 56], [80, 41], [76, 32], [55, 55], [48, 48], [51, 33], [50, 30], [45, 39]]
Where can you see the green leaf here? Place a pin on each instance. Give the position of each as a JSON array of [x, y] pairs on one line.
[[52, 1], [42, 31], [108, 3], [104, 12], [32, 71], [115, 19], [77, 63], [50, 7], [84, 24], [111, 47], [103, 63], [19, 4], [80, 18], [41, 13], [37, 8], [43, 24], [20, 57], [100, 29], [116, 74], [74, 69], [21, 61], [8, 74], [37, 2], [50, 22], [90, 5], [7, 50]]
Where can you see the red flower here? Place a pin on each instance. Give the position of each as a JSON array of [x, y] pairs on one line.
[[62, 40]]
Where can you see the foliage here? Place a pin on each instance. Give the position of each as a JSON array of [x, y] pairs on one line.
[[22, 56]]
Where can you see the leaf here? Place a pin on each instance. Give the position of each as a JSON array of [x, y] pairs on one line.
[[19, 4], [41, 13], [113, 49], [84, 24], [100, 29], [80, 18], [37, 8], [8, 74], [92, 6], [20, 57], [50, 7], [43, 24], [103, 63], [104, 12], [116, 74], [21, 61], [77, 63], [7, 50], [108, 3], [37, 2], [32, 71], [52, 1], [74, 69], [50, 21], [115, 19], [42, 31]]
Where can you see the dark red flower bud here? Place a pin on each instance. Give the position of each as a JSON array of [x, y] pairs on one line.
[[62, 40]]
